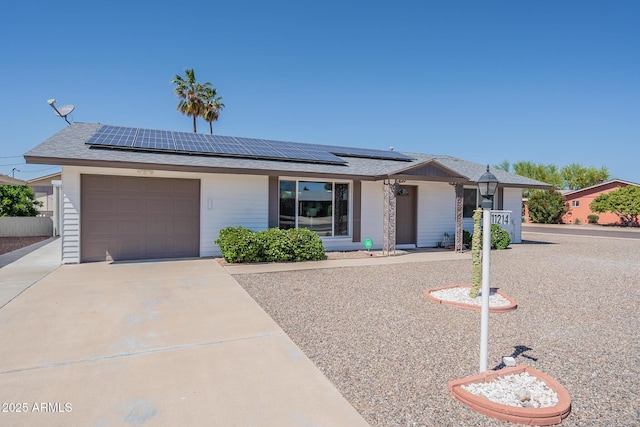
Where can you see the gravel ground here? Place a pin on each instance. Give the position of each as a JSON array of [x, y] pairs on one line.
[[391, 351], [10, 244]]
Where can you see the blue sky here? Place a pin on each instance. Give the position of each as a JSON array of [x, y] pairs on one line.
[[553, 82]]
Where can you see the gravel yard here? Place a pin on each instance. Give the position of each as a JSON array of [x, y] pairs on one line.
[[10, 244], [391, 351]]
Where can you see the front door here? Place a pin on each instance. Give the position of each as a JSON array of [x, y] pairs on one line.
[[406, 215]]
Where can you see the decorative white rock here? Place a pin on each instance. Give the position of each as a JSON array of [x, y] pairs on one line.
[[461, 294], [523, 390]]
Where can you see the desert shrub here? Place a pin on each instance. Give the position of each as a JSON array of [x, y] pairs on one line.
[[593, 219], [306, 245], [466, 238], [547, 206], [238, 245], [275, 245], [577, 221], [500, 238]]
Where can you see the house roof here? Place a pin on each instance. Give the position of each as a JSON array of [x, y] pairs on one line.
[[69, 147], [596, 187], [45, 179], [7, 180]]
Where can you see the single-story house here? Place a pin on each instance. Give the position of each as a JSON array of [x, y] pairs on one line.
[[579, 201], [130, 193], [7, 180], [43, 189]]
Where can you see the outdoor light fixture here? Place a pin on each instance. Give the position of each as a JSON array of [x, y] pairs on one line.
[[487, 185]]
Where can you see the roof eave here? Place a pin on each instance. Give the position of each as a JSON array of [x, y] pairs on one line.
[[188, 168]]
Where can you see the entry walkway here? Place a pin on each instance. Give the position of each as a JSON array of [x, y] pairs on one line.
[[24, 267], [402, 256], [161, 343]]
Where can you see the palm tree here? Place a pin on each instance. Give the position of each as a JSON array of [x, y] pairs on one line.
[[191, 94], [211, 107]]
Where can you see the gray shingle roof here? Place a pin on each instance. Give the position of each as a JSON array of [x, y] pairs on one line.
[[68, 147]]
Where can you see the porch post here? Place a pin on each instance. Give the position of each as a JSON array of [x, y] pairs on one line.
[[459, 189], [389, 221]]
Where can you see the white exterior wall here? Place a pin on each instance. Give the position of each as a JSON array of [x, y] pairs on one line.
[[70, 215], [246, 194], [372, 208], [436, 212], [231, 200], [513, 202]]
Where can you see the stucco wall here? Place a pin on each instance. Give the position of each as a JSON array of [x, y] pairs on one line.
[[584, 199]]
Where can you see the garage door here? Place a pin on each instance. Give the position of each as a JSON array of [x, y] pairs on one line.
[[126, 218]]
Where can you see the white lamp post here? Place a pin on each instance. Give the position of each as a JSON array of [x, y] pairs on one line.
[[487, 185]]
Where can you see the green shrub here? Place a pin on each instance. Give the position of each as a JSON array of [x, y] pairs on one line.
[[466, 238], [500, 238], [275, 245], [593, 219], [306, 245], [238, 244], [577, 221], [547, 206]]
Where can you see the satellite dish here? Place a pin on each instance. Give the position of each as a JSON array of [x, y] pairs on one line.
[[63, 111]]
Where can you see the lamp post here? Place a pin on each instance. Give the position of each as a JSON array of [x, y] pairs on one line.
[[487, 185]]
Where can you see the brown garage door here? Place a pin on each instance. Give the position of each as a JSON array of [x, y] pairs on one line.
[[124, 218]]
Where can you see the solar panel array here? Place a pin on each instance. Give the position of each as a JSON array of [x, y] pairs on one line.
[[195, 143]]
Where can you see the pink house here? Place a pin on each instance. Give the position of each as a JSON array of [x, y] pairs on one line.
[[579, 201]]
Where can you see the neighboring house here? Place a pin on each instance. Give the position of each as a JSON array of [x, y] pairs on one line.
[[579, 201], [43, 189], [7, 180], [131, 193]]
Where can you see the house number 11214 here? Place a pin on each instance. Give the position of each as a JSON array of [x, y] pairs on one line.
[[501, 218]]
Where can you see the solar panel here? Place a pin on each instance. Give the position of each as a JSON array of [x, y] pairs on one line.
[[154, 140], [367, 153], [114, 136], [194, 143]]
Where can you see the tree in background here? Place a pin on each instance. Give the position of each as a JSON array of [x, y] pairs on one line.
[[624, 202], [211, 107], [191, 94], [546, 206], [576, 176], [503, 166], [18, 200], [545, 173], [571, 177]]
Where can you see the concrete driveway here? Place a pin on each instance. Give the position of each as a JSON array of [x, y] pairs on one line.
[[173, 343]]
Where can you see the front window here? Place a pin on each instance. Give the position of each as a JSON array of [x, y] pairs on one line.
[[470, 202], [575, 203], [322, 207]]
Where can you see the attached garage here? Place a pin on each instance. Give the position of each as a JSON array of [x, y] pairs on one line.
[[127, 218]]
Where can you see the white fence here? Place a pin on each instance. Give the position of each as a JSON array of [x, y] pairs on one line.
[[26, 226]]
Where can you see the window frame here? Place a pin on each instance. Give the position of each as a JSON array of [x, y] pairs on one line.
[[464, 198], [333, 183]]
